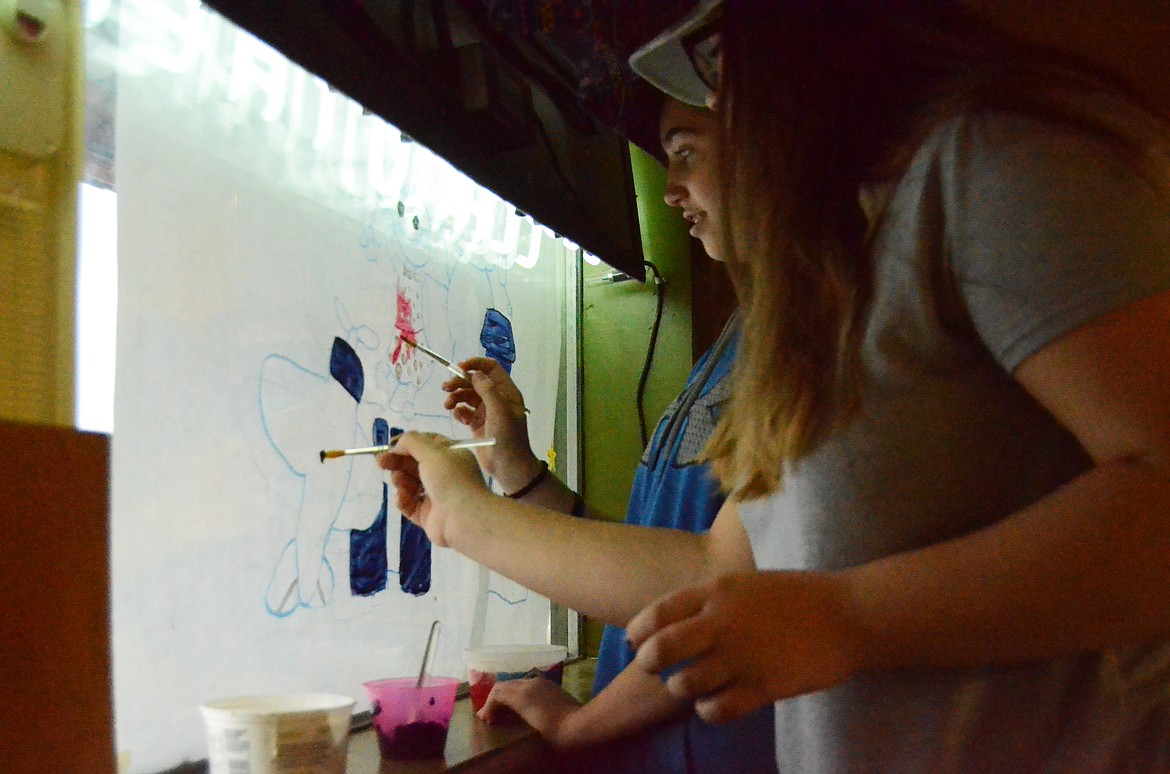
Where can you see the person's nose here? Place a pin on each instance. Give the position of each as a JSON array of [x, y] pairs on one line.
[[675, 194]]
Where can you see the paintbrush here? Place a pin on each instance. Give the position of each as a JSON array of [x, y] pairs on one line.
[[328, 455], [437, 357], [445, 362]]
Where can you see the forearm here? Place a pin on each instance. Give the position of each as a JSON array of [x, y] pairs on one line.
[[633, 702], [524, 474], [550, 493], [604, 570], [1083, 569]]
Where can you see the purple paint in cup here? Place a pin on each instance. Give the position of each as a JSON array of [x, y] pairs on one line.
[[411, 722]]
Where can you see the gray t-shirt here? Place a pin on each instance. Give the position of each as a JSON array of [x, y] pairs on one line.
[[1005, 232]]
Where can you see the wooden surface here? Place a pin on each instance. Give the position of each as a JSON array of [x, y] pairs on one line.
[[54, 504]]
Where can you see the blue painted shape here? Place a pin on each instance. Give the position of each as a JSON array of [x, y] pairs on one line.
[[368, 565], [346, 367], [414, 559], [414, 554], [496, 338]]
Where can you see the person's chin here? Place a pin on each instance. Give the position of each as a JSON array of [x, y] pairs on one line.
[[708, 243]]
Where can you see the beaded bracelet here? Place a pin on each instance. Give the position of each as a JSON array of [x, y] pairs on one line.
[[535, 482]]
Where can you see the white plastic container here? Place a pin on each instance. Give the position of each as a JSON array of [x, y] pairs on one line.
[[490, 664], [303, 733]]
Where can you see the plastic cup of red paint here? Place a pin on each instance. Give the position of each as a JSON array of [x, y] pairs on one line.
[[490, 664]]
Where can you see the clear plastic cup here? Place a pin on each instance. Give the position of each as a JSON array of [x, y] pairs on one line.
[[490, 664], [411, 722]]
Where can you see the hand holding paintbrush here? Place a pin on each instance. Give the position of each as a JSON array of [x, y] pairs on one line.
[[484, 398], [335, 453], [460, 372], [489, 403], [434, 485]]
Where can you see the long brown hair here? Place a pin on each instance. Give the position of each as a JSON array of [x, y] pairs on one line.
[[819, 98]]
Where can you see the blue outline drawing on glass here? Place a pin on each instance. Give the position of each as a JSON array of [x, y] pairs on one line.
[[296, 401], [364, 381]]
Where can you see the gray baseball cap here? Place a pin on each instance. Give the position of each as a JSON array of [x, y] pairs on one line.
[[666, 61]]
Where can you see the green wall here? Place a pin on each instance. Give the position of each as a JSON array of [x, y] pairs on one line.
[[615, 330]]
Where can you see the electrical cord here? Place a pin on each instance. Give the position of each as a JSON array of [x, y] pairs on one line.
[[660, 284]]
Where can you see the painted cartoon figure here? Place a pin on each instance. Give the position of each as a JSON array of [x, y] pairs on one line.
[[295, 401]]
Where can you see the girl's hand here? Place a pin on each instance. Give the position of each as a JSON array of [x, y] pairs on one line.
[[490, 405], [744, 641], [433, 484], [540, 702]]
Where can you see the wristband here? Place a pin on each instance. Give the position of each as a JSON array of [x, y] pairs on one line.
[[535, 482]]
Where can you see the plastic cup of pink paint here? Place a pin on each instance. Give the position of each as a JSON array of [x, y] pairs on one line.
[[411, 720]]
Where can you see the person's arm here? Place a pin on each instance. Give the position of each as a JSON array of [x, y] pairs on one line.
[[490, 404], [628, 566], [1080, 570], [634, 701]]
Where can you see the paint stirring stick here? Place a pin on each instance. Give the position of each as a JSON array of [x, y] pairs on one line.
[[428, 654], [436, 356], [333, 454]]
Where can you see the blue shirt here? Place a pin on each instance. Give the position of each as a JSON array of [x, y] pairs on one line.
[[671, 489]]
